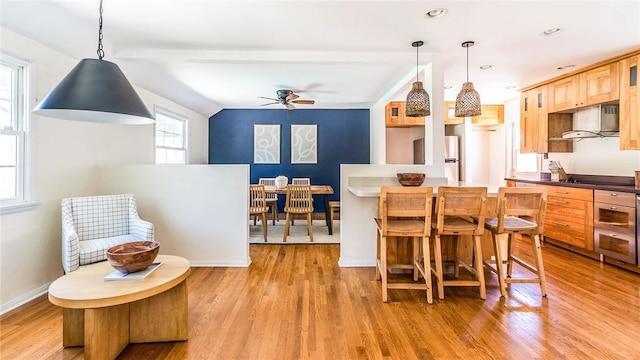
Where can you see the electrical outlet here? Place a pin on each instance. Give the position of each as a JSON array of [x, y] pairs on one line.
[[545, 156]]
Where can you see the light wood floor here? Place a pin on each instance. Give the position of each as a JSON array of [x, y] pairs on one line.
[[294, 302]]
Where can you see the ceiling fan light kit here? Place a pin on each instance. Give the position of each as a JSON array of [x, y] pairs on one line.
[[286, 98], [468, 100], [418, 103], [95, 91]]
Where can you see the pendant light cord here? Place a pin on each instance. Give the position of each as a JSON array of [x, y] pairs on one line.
[[467, 63], [100, 49], [417, 62]]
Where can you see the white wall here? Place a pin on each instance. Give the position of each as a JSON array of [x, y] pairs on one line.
[[65, 156], [597, 156], [199, 211]]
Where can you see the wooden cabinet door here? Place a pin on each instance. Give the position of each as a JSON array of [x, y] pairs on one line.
[[412, 121], [629, 104], [450, 114], [394, 113], [599, 85], [491, 115], [563, 94], [528, 121], [542, 122]]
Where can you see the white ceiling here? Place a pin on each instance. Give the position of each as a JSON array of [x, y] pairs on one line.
[[208, 55]]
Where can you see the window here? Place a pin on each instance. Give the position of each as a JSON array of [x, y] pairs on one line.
[[171, 139], [523, 163], [14, 115]]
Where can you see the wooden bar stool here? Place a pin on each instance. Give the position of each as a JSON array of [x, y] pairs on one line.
[[404, 212], [459, 211], [520, 211]]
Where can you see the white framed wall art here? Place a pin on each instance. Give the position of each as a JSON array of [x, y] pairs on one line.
[[304, 144], [266, 144]]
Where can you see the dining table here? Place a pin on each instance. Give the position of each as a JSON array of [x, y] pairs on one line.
[[324, 190]]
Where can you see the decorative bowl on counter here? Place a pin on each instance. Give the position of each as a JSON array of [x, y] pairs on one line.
[[411, 179], [134, 256]]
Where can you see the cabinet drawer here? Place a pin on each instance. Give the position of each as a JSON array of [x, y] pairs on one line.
[[565, 205], [566, 221], [568, 216], [570, 237], [614, 197], [569, 192]]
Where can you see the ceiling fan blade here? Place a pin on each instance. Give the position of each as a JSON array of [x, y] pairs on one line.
[[290, 106], [309, 102], [262, 97], [292, 96], [273, 103]]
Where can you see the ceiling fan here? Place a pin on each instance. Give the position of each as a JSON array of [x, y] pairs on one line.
[[287, 98]]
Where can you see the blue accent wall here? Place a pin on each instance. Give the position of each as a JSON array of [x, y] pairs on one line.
[[343, 138]]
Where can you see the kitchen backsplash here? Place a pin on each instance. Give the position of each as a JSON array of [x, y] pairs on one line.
[[597, 156]]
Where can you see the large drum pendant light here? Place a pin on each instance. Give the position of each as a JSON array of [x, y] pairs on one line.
[[96, 91], [468, 99], [418, 103]]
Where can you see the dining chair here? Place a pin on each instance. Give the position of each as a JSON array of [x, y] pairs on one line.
[[258, 206], [404, 212], [272, 199], [300, 181], [520, 210], [298, 202], [459, 211]]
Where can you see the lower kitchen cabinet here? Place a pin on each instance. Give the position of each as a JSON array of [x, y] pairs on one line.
[[569, 216]]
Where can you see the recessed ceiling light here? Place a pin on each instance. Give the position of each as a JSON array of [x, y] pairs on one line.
[[510, 87], [486, 67], [436, 13], [551, 31], [565, 67]]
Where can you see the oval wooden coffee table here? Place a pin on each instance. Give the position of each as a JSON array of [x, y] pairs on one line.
[[104, 316]]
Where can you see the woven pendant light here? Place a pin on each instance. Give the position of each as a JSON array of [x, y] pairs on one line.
[[418, 103], [468, 99]]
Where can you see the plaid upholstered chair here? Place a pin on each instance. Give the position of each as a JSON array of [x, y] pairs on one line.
[[93, 224]]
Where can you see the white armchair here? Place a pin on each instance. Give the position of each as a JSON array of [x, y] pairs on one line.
[[93, 224]]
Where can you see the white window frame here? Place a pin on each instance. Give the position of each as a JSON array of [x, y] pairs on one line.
[[23, 201], [176, 117], [533, 158]]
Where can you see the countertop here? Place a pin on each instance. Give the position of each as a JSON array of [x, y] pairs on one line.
[[612, 183], [370, 187]]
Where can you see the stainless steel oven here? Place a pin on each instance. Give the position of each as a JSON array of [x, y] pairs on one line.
[[614, 225]]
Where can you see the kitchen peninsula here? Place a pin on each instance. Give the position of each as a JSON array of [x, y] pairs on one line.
[[360, 191]]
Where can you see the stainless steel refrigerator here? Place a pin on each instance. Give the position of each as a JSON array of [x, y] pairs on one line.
[[451, 158]]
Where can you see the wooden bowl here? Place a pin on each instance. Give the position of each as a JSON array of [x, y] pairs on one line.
[[134, 256], [410, 179]]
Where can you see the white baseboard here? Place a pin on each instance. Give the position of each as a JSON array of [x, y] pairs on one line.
[[21, 300], [210, 263], [358, 263]]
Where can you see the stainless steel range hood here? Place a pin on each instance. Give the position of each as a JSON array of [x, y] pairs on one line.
[[594, 121]]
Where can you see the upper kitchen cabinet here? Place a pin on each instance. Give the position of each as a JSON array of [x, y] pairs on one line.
[[629, 104], [539, 130], [491, 115], [450, 114], [529, 121], [591, 87], [395, 117]]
